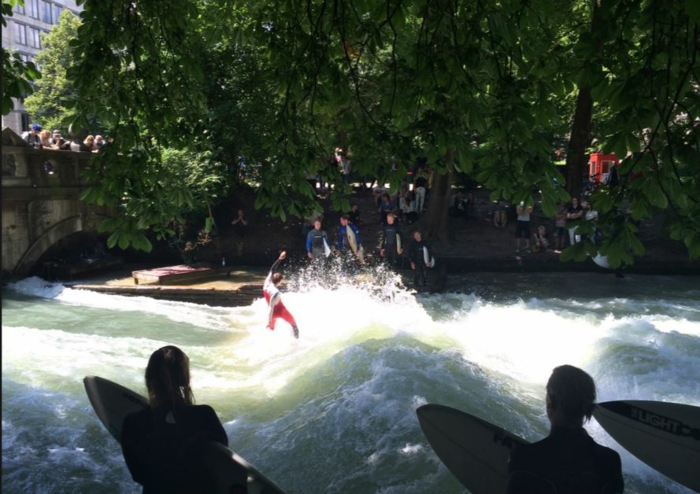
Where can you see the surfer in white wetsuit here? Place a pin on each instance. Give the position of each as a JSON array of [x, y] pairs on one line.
[[159, 443], [274, 298], [568, 461]]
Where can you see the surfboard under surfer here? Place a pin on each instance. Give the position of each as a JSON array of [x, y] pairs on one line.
[[274, 298]]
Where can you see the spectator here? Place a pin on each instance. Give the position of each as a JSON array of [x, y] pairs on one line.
[[541, 240], [500, 215], [522, 229], [420, 190], [59, 142], [421, 260], [560, 227], [613, 177], [157, 440], [407, 207], [386, 206], [32, 136], [354, 214], [567, 460], [240, 226], [99, 143], [45, 139], [573, 213], [89, 142]]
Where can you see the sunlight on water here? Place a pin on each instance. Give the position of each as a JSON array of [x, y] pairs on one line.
[[335, 410]]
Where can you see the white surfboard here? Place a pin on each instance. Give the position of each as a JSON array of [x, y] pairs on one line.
[[113, 402], [474, 450], [665, 436], [602, 261], [428, 259]]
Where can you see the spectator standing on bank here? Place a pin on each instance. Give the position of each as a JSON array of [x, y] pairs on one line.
[[560, 232], [354, 214], [522, 228], [240, 226], [574, 212]]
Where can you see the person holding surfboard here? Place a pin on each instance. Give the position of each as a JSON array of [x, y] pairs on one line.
[[420, 259], [349, 245], [156, 440], [274, 298], [317, 248], [390, 242], [568, 460]]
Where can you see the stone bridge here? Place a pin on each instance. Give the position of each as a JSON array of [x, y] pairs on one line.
[[40, 208]]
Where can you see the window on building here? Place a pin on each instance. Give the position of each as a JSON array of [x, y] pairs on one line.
[[19, 9], [32, 8], [21, 34], [34, 37], [25, 121], [46, 11], [57, 9]]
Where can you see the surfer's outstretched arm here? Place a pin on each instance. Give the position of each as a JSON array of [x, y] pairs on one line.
[[274, 267]]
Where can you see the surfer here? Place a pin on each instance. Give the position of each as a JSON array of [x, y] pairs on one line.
[[568, 460], [420, 259], [274, 298], [348, 244], [156, 440], [390, 242], [317, 247]]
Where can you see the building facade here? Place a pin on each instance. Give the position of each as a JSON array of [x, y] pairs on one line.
[[23, 35]]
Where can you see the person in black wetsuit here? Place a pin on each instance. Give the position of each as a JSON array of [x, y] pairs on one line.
[[158, 441], [317, 243], [568, 461], [391, 242]]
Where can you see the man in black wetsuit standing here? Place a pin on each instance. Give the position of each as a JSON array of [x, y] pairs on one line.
[[391, 242], [568, 461]]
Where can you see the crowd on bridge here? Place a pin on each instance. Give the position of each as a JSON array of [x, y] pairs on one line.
[[40, 138]]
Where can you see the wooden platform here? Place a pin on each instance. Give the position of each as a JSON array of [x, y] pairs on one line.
[[182, 273]]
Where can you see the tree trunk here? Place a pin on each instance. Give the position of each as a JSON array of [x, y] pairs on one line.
[[580, 139], [436, 219], [576, 162]]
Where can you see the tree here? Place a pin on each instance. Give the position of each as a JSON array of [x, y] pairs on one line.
[[53, 101], [481, 88], [17, 75]]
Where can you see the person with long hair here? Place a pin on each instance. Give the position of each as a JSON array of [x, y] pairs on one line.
[[157, 441], [568, 460]]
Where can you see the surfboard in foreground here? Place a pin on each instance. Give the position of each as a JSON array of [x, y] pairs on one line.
[[665, 436], [474, 450], [113, 402]]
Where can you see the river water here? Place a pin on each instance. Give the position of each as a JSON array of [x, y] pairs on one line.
[[334, 412]]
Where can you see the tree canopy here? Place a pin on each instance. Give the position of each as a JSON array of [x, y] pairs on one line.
[[486, 89]]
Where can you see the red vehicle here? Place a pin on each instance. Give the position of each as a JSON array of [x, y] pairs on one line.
[[599, 166]]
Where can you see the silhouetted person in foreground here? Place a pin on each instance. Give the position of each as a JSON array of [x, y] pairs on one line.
[[567, 461], [157, 441]]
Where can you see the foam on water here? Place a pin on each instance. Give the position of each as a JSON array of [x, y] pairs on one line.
[[335, 410]]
